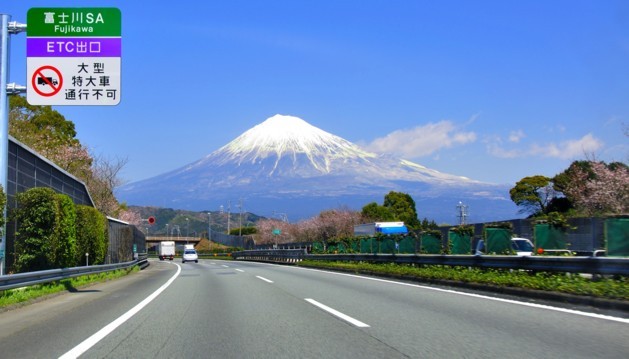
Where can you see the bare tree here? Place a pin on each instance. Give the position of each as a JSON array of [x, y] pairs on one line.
[[103, 181]]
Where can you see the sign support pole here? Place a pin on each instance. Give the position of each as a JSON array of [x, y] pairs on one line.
[[6, 28], [4, 126]]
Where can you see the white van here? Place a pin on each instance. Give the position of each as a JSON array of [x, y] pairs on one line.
[[521, 246]]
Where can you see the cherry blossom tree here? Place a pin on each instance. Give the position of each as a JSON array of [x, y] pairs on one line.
[[53, 136], [131, 216], [599, 189], [336, 223]]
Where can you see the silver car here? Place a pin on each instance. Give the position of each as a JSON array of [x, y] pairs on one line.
[[190, 255]]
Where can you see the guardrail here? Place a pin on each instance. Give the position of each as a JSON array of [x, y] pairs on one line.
[[272, 255], [591, 265], [51, 275]]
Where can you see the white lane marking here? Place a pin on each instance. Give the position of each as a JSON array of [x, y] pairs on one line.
[[264, 279], [335, 312], [239, 270], [224, 266], [533, 305], [98, 336]]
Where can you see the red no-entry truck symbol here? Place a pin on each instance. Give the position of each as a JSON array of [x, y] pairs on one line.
[[50, 80]]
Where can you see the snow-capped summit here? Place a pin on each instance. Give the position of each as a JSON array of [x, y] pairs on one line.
[[285, 164], [281, 137]]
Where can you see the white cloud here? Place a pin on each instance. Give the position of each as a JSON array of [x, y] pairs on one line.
[[516, 136], [564, 150], [422, 140], [568, 149], [500, 152]]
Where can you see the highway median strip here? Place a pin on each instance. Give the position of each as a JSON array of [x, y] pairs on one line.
[[616, 289]]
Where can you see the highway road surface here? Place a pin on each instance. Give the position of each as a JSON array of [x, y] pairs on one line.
[[228, 309]]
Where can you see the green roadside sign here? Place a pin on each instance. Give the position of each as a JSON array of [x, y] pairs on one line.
[[73, 56], [74, 22]]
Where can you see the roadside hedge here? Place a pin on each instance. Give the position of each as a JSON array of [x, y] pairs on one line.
[[52, 232]]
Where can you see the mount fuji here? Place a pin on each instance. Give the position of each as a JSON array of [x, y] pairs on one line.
[[285, 165]]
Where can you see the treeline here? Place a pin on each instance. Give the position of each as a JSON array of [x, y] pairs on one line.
[[338, 224], [585, 188], [52, 232]]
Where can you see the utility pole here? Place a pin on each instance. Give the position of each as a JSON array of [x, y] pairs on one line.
[[462, 213]]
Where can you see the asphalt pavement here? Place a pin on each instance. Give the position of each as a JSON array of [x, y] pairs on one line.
[[231, 309]]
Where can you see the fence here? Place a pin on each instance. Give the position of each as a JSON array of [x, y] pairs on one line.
[[245, 242], [124, 241], [584, 236]]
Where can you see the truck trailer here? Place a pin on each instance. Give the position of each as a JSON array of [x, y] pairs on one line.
[[166, 250], [369, 229]]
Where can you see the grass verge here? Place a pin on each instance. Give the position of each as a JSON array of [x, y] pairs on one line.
[[21, 295], [608, 288]]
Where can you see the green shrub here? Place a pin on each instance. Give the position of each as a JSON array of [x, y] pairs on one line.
[[3, 203], [91, 238], [46, 230], [35, 216], [64, 244]]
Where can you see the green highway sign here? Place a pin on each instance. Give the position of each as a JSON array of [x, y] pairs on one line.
[[75, 22], [73, 56]]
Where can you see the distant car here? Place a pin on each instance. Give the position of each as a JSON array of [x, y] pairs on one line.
[[190, 255], [521, 246]]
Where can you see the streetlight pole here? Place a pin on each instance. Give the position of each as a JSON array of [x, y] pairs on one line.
[[240, 219], [229, 208], [209, 225], [209, 230]]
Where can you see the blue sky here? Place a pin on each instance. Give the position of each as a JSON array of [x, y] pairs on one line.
[[491, 90]]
